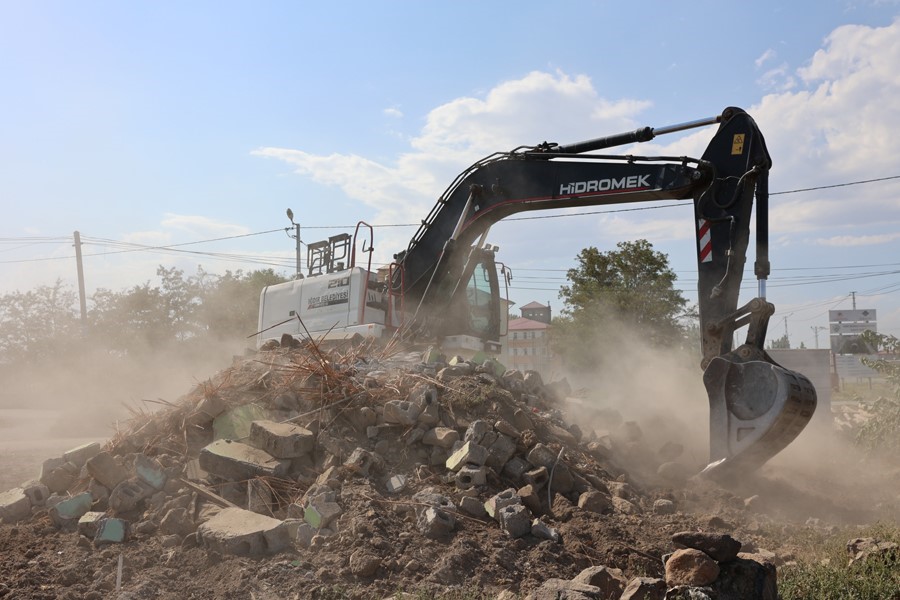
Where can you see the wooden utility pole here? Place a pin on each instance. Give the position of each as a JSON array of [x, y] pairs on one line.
[[81, 297]]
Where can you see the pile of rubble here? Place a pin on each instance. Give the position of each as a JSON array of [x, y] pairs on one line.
[[332, 454]]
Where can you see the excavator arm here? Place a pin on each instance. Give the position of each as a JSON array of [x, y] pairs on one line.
[[757, 407]]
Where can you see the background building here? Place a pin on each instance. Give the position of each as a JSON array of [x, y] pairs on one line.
[[528, 341]]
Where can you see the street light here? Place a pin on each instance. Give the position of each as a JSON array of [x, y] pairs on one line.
[[296, 236]]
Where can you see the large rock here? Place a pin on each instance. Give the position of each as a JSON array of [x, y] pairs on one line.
[[644, 588], [104, 468], [244, 533], [690, 567], [747, 580], [14, 505], [719, 546], [610, 581]]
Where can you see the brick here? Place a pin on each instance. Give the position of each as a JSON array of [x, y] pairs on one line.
[[401, 412], [500, 452], [469, 476], [505, 498], [244, 533], [536, 478], [595, 502], [515, 520], [106, 470], [236, 461], [58, 479], [360, 462], [126, 496], [281, 440], [435, 522], [530, 498], [476, 431], [78, 456], [36, 491], [396, 484], [14, 505], [472, 506], [515, 468], [320, 513], [469, 453]]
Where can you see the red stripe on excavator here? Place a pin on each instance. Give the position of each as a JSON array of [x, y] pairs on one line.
[[705, 238]]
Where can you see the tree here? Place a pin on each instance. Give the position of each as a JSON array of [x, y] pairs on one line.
[[619, 295], [37, 323], [782, 343]]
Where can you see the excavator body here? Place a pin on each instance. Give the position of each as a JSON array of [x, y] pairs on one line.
[[444, 287]]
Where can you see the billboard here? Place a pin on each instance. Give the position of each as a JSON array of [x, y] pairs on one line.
[[845, 327]]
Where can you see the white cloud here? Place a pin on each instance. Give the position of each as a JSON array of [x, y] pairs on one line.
[[778, 78], [393, 112], [766, 56], [858, 240]]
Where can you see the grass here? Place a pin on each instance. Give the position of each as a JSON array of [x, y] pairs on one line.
[[822, 570]]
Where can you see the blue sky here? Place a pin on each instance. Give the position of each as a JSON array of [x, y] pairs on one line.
[[164, 123]]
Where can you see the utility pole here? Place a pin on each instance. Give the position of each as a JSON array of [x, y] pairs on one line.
[[81, 298], [853, 296], [296, 236], [816, 329]]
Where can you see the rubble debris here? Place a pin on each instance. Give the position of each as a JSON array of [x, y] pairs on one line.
[[106, 470], [644, 588], [111, 531], [235, 461], [65, 514], [244, 533], [14, 505]]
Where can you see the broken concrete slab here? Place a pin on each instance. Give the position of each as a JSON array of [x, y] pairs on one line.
[[244, 533], [67, 512], [111, 531], [106, 469], [235, 423], [235, 461], [442, 437], [544, 531], [401, 412], [150, 472], [36, 491], [281, 440], [14, 505], [78, 456], [469, 453]]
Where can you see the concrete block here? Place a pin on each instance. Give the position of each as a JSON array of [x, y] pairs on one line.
[[305, 534], [530, 498], [281, 440], [595, 502], [442, 437], [515, 468], [507, 497], [469, 453], [126, 496], [500, 451], [36, 491], [244, 533], [542, 456], [236, 461], [89, 523], [396, 484], [360, 462], [401, 412], [207, 409], [320, 513], [515, 520], [78, 456], [106, 470], [150, 472], [58, 479], [476, 431], [14, 505], [470, 476], [536, 478], [429, 497], [472, 506], [68, 512], [111, 531], [435, 522], [506, 428]]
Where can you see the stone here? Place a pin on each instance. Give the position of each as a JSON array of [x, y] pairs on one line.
[[150, 472], [721, 547], [500, 451], [506, 428], [207, 409], [688, 592], [611, 581], [281, 440], [104, 468], [414, 435], [746, 579], [674, 472], [430, 415], [496, 502], [128, 494], [515, 520], [530, 498], [435, 522], [862, 549], [320, 512], [58, 475], [396, 484], [469, 476], [364, 564], [430, 497], [625, 507], [176, 521], [305, 534], [36, 491], [111, 531], [67, 512], [401, 412], [515, 468], [360, 462], [89, 523], [14, 505], [442, 437], [595, 502], [690, 567], [556, 589], [469, 453], [243, 533], [663, 507], [78, 456], [235, 461], [536, 478], [644, 588], [542, 530], [472, 506]]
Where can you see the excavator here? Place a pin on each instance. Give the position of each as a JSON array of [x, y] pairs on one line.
[[444, 286]]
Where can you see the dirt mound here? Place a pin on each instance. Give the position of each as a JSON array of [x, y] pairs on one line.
[[299, 472]]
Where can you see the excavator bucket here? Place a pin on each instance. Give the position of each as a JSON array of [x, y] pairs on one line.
[[757, 407]]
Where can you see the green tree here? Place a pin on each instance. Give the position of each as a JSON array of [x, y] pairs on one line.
[[619, 295], [782, 343], [37, 323]]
